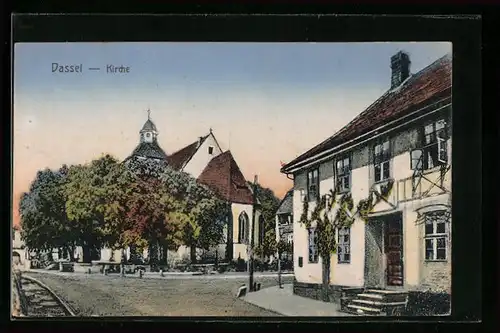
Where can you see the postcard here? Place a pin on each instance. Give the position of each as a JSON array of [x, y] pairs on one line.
[[232, 179]]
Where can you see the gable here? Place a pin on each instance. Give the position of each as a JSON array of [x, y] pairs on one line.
[[202, 155]]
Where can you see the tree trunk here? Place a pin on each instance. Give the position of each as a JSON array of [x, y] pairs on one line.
[[193, 254], [86, 255], [326, 278], [165, 255]]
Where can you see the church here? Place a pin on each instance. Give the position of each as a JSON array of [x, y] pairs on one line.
[[205, 160]]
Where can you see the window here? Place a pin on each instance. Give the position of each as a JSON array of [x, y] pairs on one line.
[[434, 150], [302, 195], [148, 135], [381, 158], [210, 150], [344, 246], [243, 228], [262, 230], [436, 235], [313, 185], [13, 234], [343, 168], [290, 239], [313, 246]]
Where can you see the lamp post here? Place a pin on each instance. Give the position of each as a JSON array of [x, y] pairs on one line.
[[250, 259]]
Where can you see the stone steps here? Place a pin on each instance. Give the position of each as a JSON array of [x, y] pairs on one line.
[[377, 302]]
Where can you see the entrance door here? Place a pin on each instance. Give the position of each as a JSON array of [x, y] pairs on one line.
[[394, 251]]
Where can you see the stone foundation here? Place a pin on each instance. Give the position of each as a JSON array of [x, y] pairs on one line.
[[314, 291]]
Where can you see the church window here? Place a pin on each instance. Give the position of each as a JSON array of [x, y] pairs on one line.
[[210, 150], [243, 228], [148, 135]]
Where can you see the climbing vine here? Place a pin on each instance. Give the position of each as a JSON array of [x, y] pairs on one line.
[[326, 226], [365, 206]]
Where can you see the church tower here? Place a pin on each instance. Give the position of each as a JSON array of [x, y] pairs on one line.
[[148, 132], [148, 147]]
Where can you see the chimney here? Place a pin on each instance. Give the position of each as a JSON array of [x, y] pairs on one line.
[[199, 140], [400, 66]]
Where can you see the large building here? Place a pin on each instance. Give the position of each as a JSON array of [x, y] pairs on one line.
[[205, 160], [396, 154]]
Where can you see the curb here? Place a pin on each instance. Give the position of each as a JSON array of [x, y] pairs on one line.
[[59, 299]]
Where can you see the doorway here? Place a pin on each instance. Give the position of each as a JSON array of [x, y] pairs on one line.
[[393, 248]]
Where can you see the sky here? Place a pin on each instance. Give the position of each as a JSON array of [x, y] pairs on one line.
[[266, 102]]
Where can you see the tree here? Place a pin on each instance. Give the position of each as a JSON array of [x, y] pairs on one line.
[[268, 204], [42, 211], [206, 212], [94, 195], [154, 217]]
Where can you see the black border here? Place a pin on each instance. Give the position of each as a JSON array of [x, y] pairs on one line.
[[464, 32]]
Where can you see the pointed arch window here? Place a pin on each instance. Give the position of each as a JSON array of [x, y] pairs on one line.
[[261, 229], [243, 228]]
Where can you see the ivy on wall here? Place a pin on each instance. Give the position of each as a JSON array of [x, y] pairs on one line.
[[326, 226]]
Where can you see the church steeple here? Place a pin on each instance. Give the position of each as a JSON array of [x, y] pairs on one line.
[[148, 133]]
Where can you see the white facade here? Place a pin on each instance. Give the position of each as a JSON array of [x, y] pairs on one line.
[[417, 272], [208, 150]]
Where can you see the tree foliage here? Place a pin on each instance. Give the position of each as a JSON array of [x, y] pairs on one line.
[[113, 204], [42, 212], [268, 205]]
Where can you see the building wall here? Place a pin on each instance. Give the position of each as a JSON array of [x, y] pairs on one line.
[[240, 250], [17, 242], [201, 158], [418, 274]]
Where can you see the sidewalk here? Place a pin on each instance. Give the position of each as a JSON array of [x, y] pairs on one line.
[[283, 301]]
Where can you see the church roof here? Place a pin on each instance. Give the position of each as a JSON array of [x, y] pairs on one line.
[[224, 177], [149, 126], [286, 205], [149, 150], [179, 159]]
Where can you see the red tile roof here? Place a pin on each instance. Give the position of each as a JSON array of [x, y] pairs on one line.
[[427, 86], [179, 159], [224, 177]]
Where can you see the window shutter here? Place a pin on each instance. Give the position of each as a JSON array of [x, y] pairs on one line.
[[416, 159], [442, 153]]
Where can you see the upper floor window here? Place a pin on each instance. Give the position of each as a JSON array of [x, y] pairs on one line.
[[313, 185], [343, 168], [290, 239], [313, 246], [210, 150], [381, 159], [436, 235], [344, 245], [434, 149]]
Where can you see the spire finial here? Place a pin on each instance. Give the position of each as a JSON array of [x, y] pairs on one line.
[[210, 129], [149, 113]]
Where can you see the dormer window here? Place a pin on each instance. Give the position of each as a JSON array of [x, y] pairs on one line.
[[210, 150]]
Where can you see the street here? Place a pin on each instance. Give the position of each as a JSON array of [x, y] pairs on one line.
[[97, 295]]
